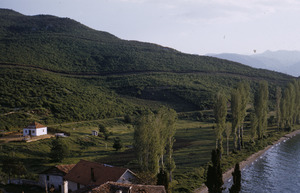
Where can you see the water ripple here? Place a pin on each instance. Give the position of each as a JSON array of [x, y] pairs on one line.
[[278, 170]]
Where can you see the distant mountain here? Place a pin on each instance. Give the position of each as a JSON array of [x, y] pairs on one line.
[[282, 61]]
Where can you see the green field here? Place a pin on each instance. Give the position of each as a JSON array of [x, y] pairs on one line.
[[192, 149]]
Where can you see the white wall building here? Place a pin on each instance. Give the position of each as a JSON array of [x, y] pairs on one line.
[[35, 129], [53, 177]]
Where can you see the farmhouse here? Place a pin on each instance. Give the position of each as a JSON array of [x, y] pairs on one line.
[[35, 129], [86, 173], [53, 177]]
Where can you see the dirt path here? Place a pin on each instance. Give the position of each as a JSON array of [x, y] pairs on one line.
[[228, 174]]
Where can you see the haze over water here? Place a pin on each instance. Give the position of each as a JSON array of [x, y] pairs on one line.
[[277, 171]]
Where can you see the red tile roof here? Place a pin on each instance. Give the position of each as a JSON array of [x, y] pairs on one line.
[[113, 187], [36, 125], [82, 173]]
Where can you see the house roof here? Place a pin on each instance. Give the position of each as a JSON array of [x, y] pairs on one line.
[[113, 187], [60, 170], [82, 173], [65, 168], [35, 125]]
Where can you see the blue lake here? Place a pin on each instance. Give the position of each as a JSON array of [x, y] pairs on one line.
[[276, 171]]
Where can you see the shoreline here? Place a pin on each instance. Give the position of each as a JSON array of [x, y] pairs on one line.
[[228, 174]]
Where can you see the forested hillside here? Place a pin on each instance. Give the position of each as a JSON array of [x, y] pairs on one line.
[[58, 70]]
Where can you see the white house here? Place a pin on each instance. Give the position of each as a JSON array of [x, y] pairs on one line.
[[86, 173], [95, 133], [53, 177], [35, 129]]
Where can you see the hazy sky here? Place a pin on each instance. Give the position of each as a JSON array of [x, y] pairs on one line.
[[190, 26]]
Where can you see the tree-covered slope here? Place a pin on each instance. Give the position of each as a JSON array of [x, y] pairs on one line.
[[28, 94], [58, 70], [64, 45]]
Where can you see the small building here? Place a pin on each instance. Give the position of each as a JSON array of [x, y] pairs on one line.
[[86, 173], [53, 177], [95, 133], [35, 129], [115, 187]]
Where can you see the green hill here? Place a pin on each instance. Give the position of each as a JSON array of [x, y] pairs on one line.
[[58, 70]]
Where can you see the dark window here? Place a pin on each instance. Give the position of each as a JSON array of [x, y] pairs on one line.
[[47, 178], [59, 187], [78, 186]]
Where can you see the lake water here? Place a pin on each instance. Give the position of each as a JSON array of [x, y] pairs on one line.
[[276, 171]]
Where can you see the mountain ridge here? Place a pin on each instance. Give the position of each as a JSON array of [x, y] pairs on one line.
[[284, 61]]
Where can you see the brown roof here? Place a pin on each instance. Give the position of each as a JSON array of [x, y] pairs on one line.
[[65, 168], [112, 187], [60, 170], [82, 173], [35, 125]]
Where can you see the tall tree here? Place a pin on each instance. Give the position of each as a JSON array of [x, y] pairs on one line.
[[253, 126], [153, 140], [288, 106], [220, 112], [244, 90], [228, 133], [167, 119], [261, 108], [237, 178], [162, 179], [147, 143], [236, 117], [278, 111], [239, 102], [214, 179]]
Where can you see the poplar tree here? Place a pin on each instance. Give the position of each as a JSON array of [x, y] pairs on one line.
[[147, 143], [154, 139], [228, 133], [239, 102], [244, 90], [236, 117], [214, 178], [167, 118], [288, 105], [220, 112], [253, 126], [278, 111], [261, 108], [237, 178]]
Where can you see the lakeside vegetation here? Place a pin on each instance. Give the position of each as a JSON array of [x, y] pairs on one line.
[[56, 71]]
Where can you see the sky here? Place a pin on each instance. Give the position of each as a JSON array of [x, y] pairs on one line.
[[190, 26]]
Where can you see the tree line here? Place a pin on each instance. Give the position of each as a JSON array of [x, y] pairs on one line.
[[287, 110], [153, 142]]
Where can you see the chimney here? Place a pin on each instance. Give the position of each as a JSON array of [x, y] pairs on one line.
[[93, 175]]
